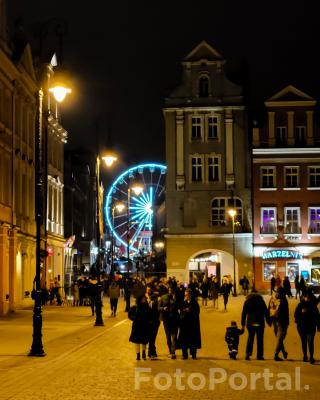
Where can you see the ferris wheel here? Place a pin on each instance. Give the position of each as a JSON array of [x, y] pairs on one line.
[[133, 222]]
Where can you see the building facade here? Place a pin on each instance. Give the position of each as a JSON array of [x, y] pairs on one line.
[[208, 172], [17, 179], [286, 188]]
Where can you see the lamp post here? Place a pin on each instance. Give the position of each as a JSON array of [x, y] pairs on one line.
[[119, 207], [232, 214], [37, 346], [137, 189]]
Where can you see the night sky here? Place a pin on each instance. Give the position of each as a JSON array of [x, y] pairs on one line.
[[125, 57]]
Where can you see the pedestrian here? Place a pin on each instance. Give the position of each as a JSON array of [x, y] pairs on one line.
[[232, 339], [287, 287], [127, 287], [56, 291], [225, 291], [93, 292], [297, 285], [114, 294], [152, 299], [75, 293], [204, 288], [272, 284], [254, 314], [169, 315], [279, 316], [189, 338], [307, 319], [244, 283], [278, 282], [140, 315], [303, 286], [215, 290]]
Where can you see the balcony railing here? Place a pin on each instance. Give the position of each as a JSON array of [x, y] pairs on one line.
[[268, 230], [292, 229]]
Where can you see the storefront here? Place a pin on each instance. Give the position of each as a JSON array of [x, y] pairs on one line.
[[283, 259]]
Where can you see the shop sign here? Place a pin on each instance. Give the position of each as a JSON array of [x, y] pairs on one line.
[[282, 254]]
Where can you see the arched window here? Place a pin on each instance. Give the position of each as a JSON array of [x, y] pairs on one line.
[[220, 207], [204, 86]]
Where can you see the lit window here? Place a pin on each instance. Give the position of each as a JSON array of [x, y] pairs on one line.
[[196, 169], [314, 220], [203, 86], [196, 128], [269, 270], [213, 128], [300, 134], [220, 207], [314, 176], [281, 135], [291, 176], [267, 177], [213, 169], [268, 220], [292, 219]]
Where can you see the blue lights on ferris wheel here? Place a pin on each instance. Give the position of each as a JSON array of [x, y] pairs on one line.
[[141, 208]]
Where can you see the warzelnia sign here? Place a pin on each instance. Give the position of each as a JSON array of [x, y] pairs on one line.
[[282, 254]]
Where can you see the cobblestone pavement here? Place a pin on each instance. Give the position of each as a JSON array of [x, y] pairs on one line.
[[86, 362]]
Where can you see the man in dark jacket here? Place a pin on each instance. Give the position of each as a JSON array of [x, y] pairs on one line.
[[152, 299], [254, 314]]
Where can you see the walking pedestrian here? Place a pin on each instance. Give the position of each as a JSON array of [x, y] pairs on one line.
[[75, 293], [307, 319], [303, 286], [152, 299], [204, 288], [232, 339], [225, 291], [254, 314], [189, 338], [287, 287], [297, 285], [114, 294], [215, 290], [272, 284], [140, 315], [279, 316], [244, 283], [169, 315]]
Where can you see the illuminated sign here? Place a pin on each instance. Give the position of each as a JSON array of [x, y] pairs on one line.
[[291, 254]]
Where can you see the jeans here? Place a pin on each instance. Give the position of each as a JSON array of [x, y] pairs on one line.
[[281, 332], [171, 331], [307, 340], [252, 331]]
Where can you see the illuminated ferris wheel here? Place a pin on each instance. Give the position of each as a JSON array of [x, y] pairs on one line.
[[130, 211]]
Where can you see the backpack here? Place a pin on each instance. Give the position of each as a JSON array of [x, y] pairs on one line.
[[274, 307]]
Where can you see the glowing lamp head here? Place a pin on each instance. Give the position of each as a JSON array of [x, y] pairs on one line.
[[137, 188], [232, 213], [159, 245], [59, 92], [109, 159], [119, 207]]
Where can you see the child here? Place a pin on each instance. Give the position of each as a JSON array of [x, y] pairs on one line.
[[232, 339]]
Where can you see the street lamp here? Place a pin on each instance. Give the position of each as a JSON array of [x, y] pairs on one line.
[[119, 206], [232, 212], [137, 189], [37, 346]]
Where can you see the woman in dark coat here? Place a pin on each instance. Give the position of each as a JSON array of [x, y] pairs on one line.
[[307, 319], [225, 291], [141, 317], [189, 337], [279, 315], [204, 287], [214, 291]]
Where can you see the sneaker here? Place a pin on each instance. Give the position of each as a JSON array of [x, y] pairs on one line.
[[312, 360], [285, 354], [277, 358]]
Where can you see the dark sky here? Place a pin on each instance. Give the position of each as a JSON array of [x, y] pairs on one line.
[[125, 56]]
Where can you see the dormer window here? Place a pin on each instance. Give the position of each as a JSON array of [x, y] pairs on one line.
[[204, 86], [281, 135], [300, 134]]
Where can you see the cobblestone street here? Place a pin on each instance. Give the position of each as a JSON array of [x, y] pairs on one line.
[[87, 362]]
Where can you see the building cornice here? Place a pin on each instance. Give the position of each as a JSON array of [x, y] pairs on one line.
[[208, 235], [286, 150], [192, 109]]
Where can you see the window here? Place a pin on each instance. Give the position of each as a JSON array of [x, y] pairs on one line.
[[269, 270], [268, 220], [300, 134], [292, 219], [213, 168], [203, 86], [196, 168], [314, 176], [281, 135], [218, 211], [220, 207], [196, 128], [314, 220], [291, 176], [268, 177], [213, 128]]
